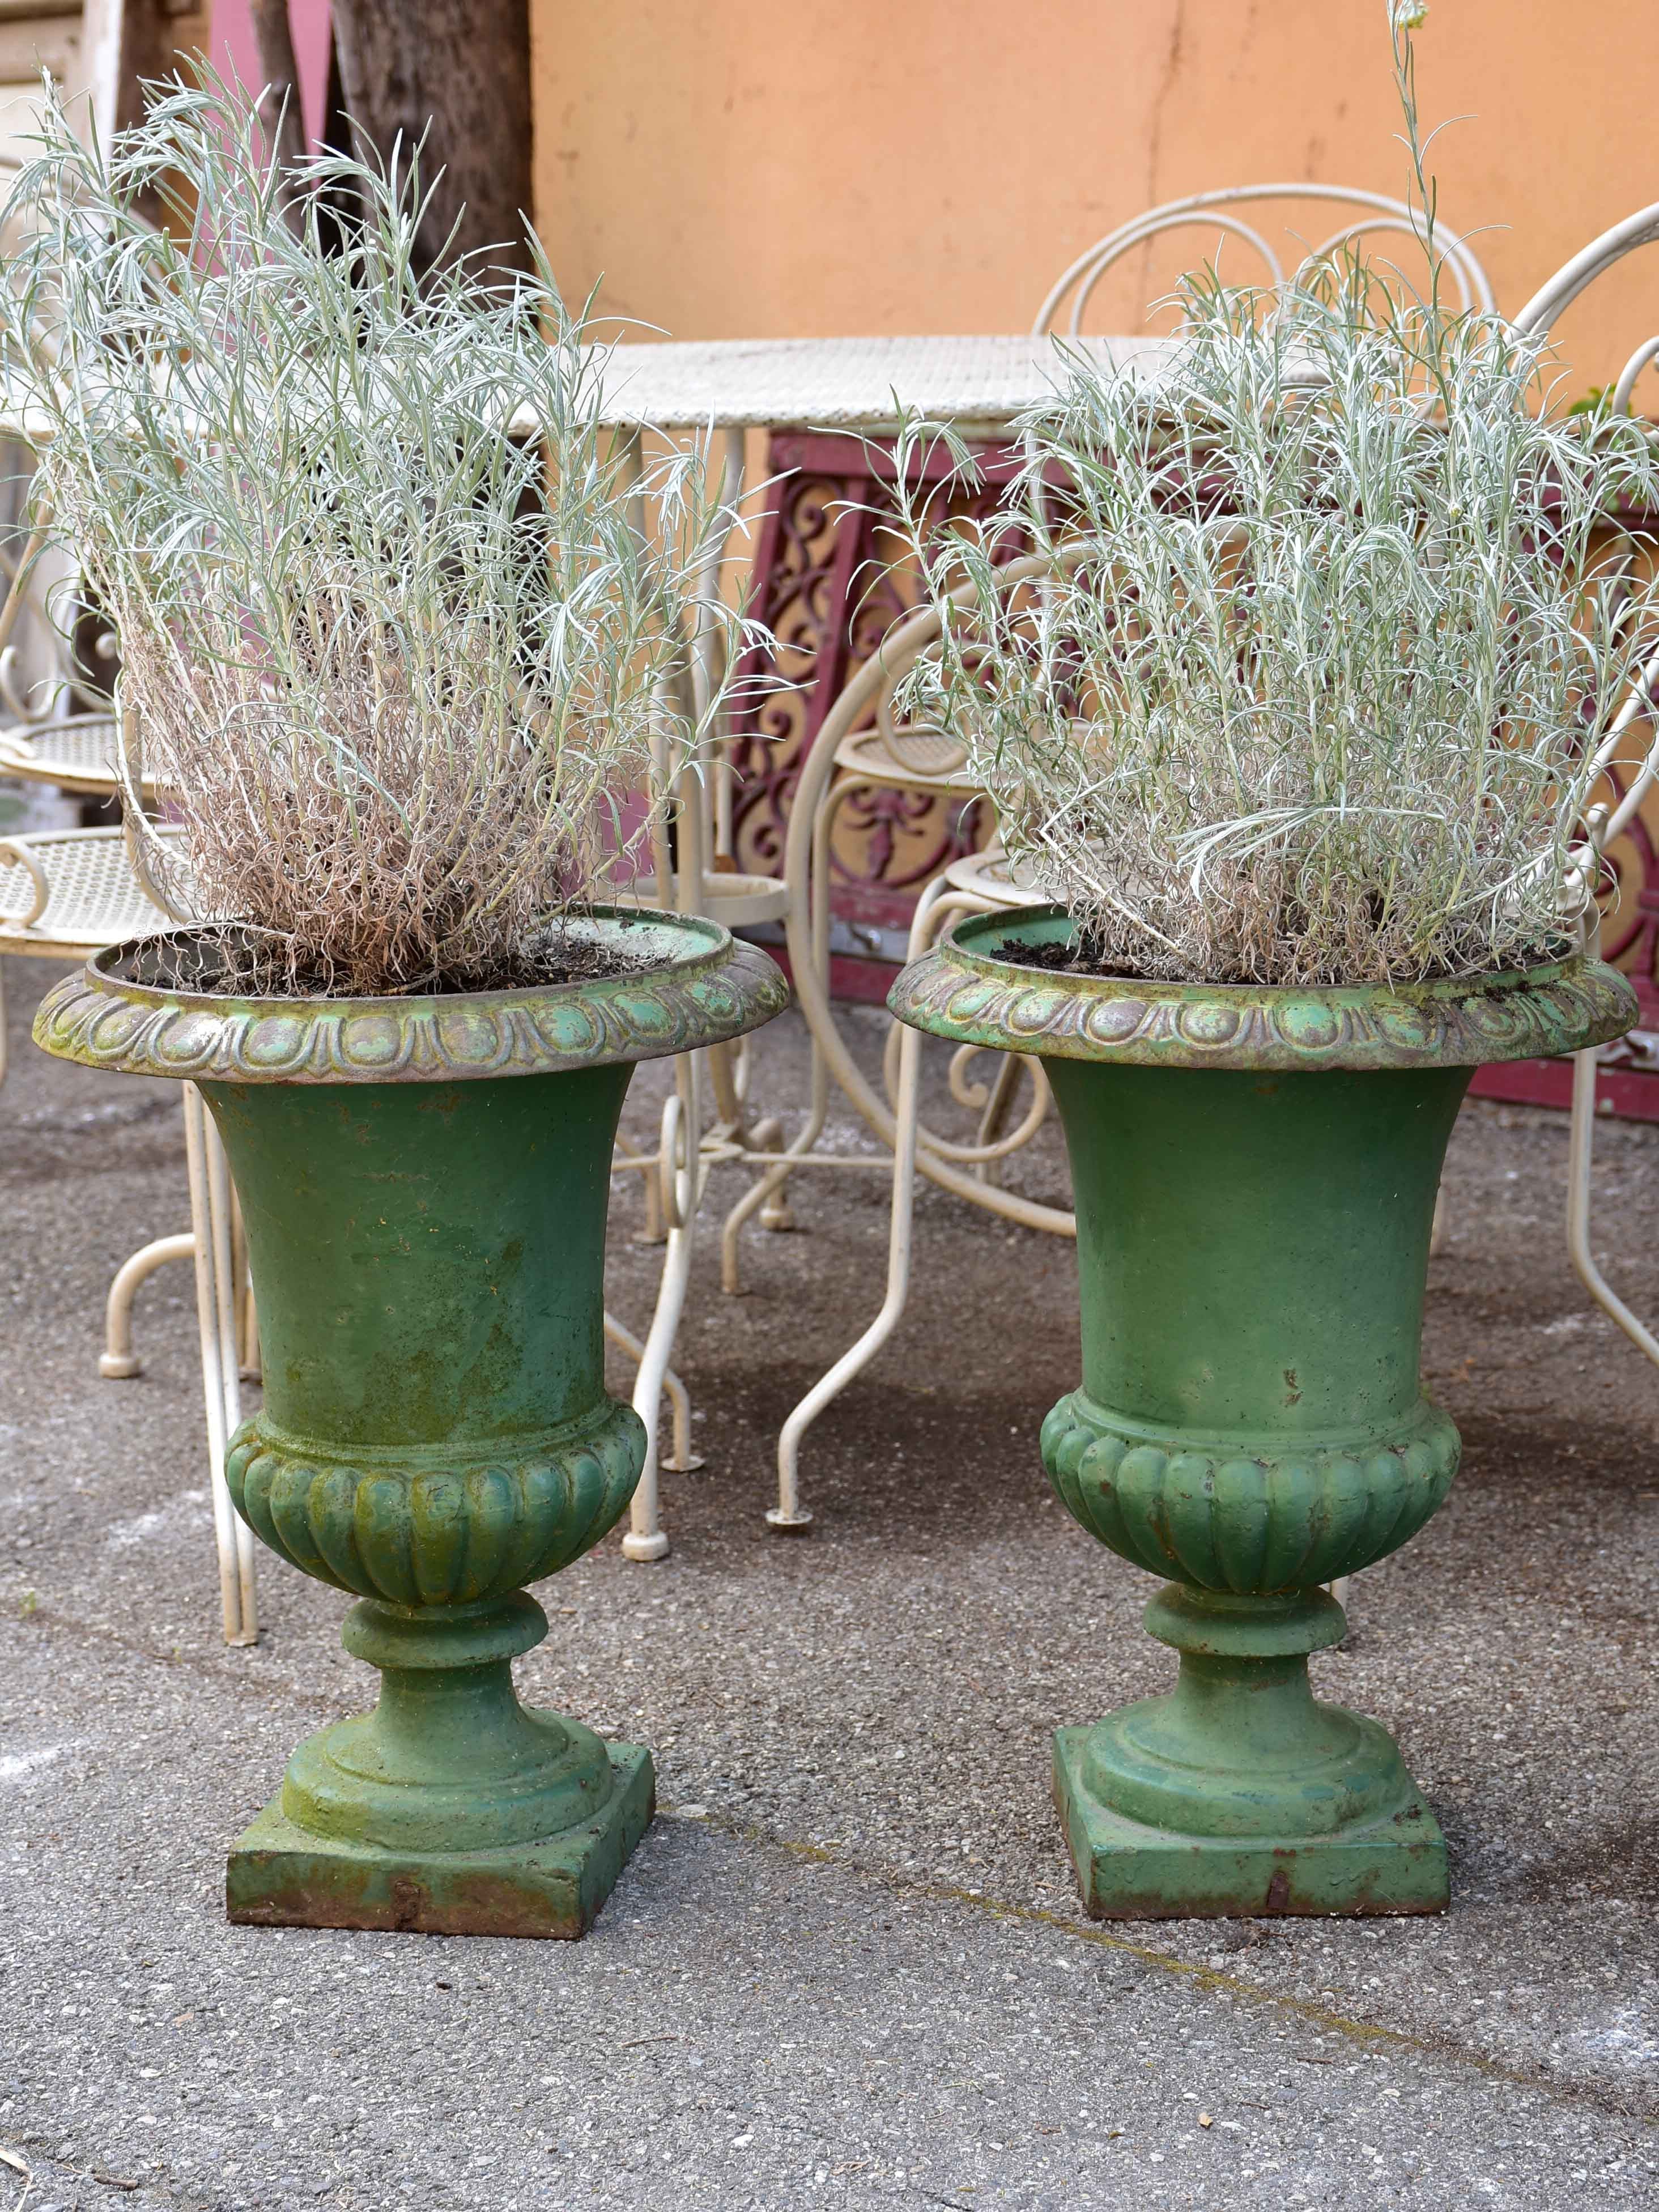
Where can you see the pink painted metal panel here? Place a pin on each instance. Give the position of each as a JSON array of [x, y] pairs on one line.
[[231, 39], [1628, 1094], [823, 582]]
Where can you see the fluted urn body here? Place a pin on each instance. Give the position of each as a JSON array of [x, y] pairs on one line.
[[424, 1186], [1255, 1173]]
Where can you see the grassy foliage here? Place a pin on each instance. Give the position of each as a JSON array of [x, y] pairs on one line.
[[1316, 696], [397, 663]]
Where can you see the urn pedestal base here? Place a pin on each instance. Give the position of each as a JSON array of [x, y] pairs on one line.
[[451, 1809], [1128, 1871], [1241, 1794], [281, 1875]]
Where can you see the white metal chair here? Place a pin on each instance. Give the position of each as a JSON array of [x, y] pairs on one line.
[[1605, 823], [847, 757], [847, 754], [64, 894], [980, 884]]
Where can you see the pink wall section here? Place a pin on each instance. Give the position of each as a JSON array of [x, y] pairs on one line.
[[231, 39]]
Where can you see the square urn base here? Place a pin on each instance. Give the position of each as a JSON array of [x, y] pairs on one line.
[[282, 1876], [1130, 1872]]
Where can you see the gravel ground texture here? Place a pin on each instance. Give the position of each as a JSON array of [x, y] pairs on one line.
[[848, 1967]]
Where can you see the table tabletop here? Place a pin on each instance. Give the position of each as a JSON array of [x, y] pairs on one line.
[[850, 383], [805, 384]]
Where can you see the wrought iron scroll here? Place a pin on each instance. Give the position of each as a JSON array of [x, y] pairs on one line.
[[827, 584]]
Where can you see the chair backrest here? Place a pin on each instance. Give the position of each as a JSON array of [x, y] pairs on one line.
[[871, 690], [1368, 213], [1594, 260], [867, 693], [44, 665], [1640, 703]]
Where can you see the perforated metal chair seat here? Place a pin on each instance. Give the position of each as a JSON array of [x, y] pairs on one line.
[[919, 759], [77, 755], [991, 875], [736, 902], [66, 893]]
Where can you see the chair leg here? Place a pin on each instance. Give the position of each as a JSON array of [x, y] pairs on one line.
[[248, 1363], [1581, 1148], [118, 1361], [723, 1084], [777, 1214], [250, 1359], [768, 1195], [681, 1182], [645, 1539], [651, 1231], [994, 1119], [1438, 1230], [687, 1459], [788, 1517], [210, 1207]]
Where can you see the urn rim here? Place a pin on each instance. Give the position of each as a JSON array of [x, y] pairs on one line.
[[962, 991], [708, 987]]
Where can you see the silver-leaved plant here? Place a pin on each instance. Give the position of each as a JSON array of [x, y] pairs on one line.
[[1314, 688], [400, 627]]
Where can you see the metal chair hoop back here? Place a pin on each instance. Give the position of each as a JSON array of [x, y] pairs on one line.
[[1213, 210]]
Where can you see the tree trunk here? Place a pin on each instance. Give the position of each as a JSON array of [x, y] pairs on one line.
[[143, 50], [461, 67]]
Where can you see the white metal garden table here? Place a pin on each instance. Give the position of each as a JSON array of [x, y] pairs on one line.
[[724, 388], [856, 386], [731, 385], [859, 386]]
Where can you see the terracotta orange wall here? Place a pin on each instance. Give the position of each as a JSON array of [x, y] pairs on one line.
[[738, 169]]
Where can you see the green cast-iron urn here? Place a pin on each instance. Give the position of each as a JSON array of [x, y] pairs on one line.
[[424, 1183], [1255, 1172]]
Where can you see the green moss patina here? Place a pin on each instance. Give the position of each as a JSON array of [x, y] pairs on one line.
[[1255, 1173]]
